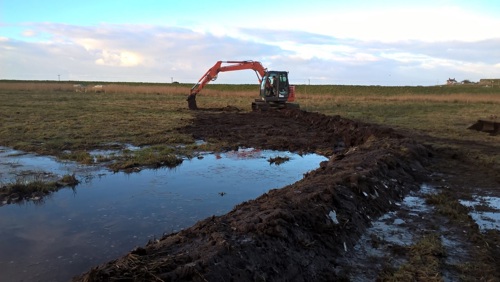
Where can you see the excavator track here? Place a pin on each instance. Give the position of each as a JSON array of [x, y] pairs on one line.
[[259, 105]]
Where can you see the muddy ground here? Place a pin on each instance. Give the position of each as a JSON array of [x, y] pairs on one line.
[[313, 230]]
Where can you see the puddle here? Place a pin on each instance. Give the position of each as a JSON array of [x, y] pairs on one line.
[[385, 241], [390, 230], [99, 154], [20, 166], [108, 214], [485, 211]]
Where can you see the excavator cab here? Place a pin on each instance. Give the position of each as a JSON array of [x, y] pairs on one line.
[[275, 86], [275, 91]]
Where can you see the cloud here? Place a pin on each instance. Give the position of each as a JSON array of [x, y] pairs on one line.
[[28, 33], [121, 58], [431, 23], [155, 53]]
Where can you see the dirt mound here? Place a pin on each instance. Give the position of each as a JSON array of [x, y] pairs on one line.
[[292, 130], [294, 233], [490, 126]]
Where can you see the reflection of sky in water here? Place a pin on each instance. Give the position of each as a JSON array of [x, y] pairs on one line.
[[485, 219], [109, 215], [15, 165]]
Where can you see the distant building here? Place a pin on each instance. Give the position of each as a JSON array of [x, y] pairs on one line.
[[451, 81], [489, 81]]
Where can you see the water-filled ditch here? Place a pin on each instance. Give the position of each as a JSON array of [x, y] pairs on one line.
[[108, 214]]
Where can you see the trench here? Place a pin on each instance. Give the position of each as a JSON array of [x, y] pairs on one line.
[[108, 214]]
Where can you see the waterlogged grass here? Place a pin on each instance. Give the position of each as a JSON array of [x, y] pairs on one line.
[[23, 190], [278, 160], [483, 267], [51, 118], [447, 205], [424, 262], [80, 156], [153, 157]]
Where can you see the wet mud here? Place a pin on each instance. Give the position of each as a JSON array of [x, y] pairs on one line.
[[314, 229]]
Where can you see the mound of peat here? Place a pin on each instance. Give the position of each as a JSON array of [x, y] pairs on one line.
[[294, 233]]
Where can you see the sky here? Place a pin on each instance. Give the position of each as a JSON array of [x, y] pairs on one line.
[[355, 42]]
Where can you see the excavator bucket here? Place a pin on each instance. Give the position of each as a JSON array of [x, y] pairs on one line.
[[192, 102], [492, 127]]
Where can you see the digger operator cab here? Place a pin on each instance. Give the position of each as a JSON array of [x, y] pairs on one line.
[[275, 87]]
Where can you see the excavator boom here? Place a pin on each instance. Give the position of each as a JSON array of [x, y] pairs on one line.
[[218, 67], [212, 73], [276, 94]]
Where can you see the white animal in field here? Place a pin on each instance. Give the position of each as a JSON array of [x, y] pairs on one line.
[[99, 89], [80, 88]]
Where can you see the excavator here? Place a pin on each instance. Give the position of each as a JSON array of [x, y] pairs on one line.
[[275, 90]]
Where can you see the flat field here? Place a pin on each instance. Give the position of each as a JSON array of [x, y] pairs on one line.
[[50, 117], [382, 142]]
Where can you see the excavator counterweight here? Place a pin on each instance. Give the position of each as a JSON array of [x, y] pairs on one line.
[[275, 90]]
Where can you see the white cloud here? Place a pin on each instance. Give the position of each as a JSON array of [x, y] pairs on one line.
[[158, 53], [119, 58], [394, 24], [89, 43], [29, 33], [406, 57]]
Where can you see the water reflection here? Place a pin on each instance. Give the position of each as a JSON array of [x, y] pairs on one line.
[[485, 210], [112, 213]]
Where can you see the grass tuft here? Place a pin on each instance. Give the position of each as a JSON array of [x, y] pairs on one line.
[[278, 160], [423, 263], [23, 190]]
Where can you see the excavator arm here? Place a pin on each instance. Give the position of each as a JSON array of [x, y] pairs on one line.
[[213, 72]]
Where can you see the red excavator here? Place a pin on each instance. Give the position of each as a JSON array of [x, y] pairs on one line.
[[275, 90]]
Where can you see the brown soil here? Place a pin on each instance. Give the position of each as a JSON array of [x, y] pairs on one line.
[[303, 231]]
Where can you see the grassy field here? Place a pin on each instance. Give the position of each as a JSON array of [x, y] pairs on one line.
[[51, 118]]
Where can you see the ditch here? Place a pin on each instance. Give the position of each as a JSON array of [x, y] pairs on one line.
[[108, 214]]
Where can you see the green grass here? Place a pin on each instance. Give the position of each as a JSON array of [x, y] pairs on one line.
[[24, 189], [50, 118], [278, 160], [68, 124], [153, 157], [424, 262], [483, 267]]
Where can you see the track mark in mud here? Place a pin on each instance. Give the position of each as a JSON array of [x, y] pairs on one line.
[[385, 248]]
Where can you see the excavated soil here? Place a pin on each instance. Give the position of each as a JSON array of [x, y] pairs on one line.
[[303, 231]]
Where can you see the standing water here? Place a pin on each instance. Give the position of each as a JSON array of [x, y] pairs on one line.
[[109, 214]]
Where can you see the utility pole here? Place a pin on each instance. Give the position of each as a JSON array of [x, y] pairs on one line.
[[59, 77]]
